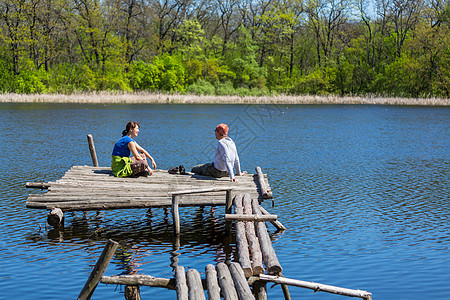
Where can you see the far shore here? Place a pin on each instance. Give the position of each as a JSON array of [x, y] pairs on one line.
[[156, 98]]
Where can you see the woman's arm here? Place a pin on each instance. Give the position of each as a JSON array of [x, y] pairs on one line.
[[134, 150], [142, 150]]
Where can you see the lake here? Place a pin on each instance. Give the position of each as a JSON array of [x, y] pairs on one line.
[[363, 192]]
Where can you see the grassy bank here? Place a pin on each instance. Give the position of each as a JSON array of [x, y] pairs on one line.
[[154, 98]]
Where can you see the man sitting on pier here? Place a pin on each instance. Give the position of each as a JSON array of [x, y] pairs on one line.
[[225, 157]]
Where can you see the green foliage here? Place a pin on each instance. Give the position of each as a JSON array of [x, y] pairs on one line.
[[201, 87], [242, 60], [225, 88], [6, 78], [191, 40], [173, 76], [143, 76], [28, 81], [319, 82], [402, 78], [95, 46]]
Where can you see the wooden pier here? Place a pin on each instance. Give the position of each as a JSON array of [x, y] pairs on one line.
[[246, 279], [85, 188]]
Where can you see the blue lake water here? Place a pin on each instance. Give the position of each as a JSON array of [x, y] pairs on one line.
[[362, 190]]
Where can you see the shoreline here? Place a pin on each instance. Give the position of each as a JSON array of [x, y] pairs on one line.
[[157, 98]]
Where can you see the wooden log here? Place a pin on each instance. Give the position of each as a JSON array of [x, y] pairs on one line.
[[55, 217], [37, 185], [144, 280], [99, 269], [181, 286], [118, 194], [259, 290], [92, 150], [250, 218], [241, 238], [228, 208], [240, 282], [194, 283], [268, 253], [208, 190], [175, 215], [265, 193], [74, 206], [253, 242], [317, 286], [132, 292], [212, 285], [277, 223], [229, 202], [226, 282], [285, 289]]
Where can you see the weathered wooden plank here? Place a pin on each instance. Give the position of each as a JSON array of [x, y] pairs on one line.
[[198, 191], [241, 238], [37, 185], [212, 285], [184, 201], [266, 193], [93, 205], [110, 194], [139, 279], [253, 242], [226, 282], [317, 286], [240, 282], [195, 286], [250, 218], [180, 285], [269, 256]]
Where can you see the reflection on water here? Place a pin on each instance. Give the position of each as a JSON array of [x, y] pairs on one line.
[[363, 191]]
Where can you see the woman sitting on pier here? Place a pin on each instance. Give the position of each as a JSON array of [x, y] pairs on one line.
[[122, 165], [225, 157]]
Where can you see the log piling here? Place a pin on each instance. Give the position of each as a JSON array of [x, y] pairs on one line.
[[212, 285], [194, 283], [99, 269], [255, 248], [226, 282], [241, 238], [270, 258], [90, 139]]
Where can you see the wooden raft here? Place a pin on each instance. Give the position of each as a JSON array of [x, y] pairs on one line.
[[221, 281], [85, 188]]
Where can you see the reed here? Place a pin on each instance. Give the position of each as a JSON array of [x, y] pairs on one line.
[[159, 98]]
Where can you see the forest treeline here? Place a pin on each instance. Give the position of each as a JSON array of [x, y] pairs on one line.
[[226, 47]]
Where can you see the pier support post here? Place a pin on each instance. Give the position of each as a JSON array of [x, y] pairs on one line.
[[55, 217], [175, 215], [132, 292], [228, 210], [99, 269], [92, 150]]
